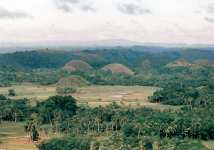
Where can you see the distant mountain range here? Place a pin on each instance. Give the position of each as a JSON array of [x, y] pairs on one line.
[[62, 45]]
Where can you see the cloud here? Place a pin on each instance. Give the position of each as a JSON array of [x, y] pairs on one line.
[[133, 9], [211, 8], [88, 8], [211, 20], [68, 5], [64, 7], [72, 1], [4, 13]]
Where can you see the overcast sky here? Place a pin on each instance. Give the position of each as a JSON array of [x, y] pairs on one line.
[[168, 21]]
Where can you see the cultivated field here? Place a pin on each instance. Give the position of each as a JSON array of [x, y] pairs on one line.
[[124, 95], [30, 91], [13, 137], [133, 96]]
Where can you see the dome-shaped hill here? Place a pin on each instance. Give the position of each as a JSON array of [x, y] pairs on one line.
[[77, 65], [72, 81], [179, 63], [118, 68]]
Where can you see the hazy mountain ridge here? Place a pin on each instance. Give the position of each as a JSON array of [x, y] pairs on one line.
[[80, 45]]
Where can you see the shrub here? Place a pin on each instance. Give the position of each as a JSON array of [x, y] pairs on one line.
[[11, 92], [66, 90], [2, 97]]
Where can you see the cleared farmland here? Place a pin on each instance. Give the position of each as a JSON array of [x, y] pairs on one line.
[[133, 96], [13, 137], [30, 91], [123, 95]]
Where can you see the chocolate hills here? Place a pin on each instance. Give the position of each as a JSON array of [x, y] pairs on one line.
[[77, 65], [118, 68]]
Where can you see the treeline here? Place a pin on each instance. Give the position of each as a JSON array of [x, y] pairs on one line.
[[38, 76], [35, 59], [193, 94], [14, 110]]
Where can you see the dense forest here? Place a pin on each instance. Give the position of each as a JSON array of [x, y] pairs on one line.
[[185, 78], [125, 128], [44, 66], [97, 57]]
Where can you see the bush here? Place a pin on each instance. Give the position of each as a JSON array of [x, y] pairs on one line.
[[66, 90], [68, 143], [11, 92], [60, 107], [2, 97]]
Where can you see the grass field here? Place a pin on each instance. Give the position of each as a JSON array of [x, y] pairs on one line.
[[30, 91], [13, 137], [209, 144], [133, 96], [124, 95]]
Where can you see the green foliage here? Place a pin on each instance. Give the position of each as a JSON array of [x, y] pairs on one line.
[[34, 134], [17, 110], [192, 88], [137, 58], [66, 90], [11, 92], [68, 143], [2, 97], [186, 94], [142, 122], [150, 67], [140, 128], [35, 59], [129, 130], [178, 144], [38, 76], [56, 107]]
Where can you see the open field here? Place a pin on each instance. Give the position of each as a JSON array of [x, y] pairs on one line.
[[123, 95], [209, 144], [127, 96], [133, 96], [13, 137], [30, 91]]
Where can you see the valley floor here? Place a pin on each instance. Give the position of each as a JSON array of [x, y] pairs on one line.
[[133, 96]]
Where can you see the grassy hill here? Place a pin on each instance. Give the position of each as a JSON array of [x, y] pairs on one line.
[[72, 81], [118, 68], [77, 65], [179, 63]]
